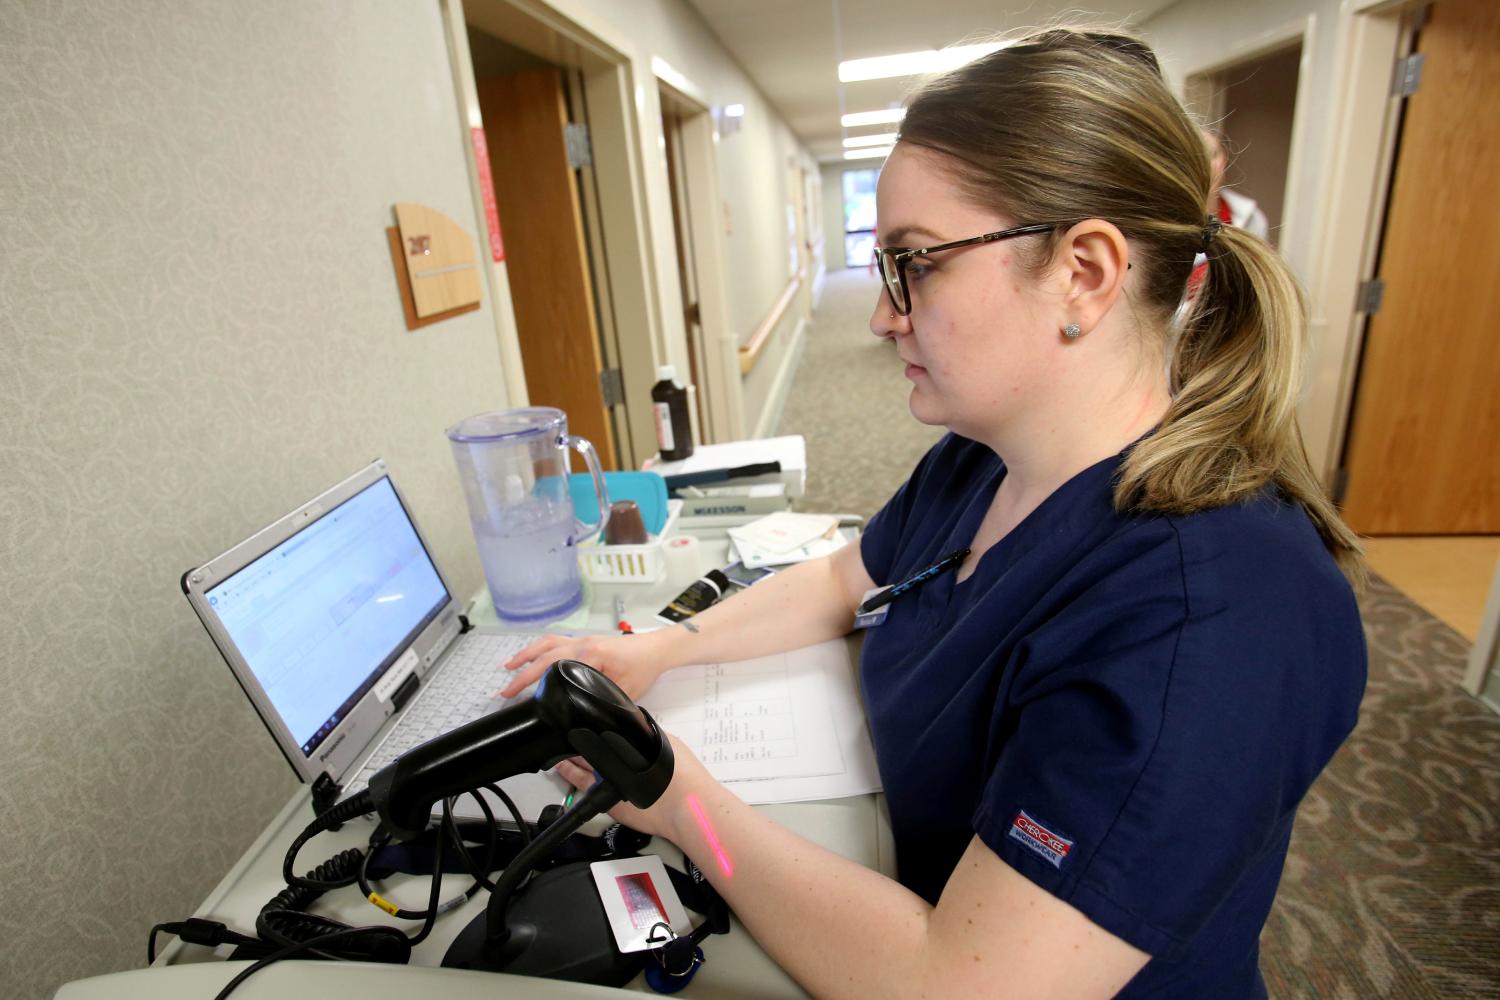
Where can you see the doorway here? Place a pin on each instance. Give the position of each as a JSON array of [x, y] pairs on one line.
[[1251, 105], [1421, 457], [525, 105], [615, 340], [690, 135]]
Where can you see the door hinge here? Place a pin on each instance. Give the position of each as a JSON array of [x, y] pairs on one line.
[[612, 385], [580, 148], [1371, 294], [692, 314], [1408, 75]]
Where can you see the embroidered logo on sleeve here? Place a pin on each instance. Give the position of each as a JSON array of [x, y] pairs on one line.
[[1039, 840]]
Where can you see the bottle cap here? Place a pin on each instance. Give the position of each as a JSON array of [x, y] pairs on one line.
[[666, 373]]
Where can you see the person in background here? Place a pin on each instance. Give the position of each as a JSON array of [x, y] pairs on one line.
[[1094, 731], [1227, 205]]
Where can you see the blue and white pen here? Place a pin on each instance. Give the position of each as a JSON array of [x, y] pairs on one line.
[[943, 565]]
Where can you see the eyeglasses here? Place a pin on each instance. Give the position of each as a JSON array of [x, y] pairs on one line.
[[892, 261]]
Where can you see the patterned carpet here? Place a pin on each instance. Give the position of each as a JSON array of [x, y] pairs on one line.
[[1392, 887]]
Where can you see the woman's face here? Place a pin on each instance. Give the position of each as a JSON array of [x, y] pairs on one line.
[[981, 342]]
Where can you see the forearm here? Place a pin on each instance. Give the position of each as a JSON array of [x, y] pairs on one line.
[[799, 606], [838, 928]]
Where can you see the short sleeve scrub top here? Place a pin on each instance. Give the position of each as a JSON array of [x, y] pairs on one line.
[[1125, 708]]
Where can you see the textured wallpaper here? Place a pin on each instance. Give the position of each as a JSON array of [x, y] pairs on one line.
[[199, 329]]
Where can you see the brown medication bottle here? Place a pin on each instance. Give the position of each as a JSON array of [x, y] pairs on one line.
[[674, 431]]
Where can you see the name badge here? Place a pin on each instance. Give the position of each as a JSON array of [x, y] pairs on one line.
[[870, 619]]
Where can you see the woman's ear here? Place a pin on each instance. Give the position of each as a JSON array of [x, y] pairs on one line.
[[1091, 260]]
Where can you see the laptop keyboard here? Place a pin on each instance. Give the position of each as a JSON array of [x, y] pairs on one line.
[[463, 690]]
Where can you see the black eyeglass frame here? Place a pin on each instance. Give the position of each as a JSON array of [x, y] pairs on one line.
[[899, 257]]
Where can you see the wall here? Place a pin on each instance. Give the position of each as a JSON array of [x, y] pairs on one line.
[[753, 163], [1327, 208], [833, 215], [1192, 34], [1259, 97], [200, 330]]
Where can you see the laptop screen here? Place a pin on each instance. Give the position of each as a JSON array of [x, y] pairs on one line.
[[321, 616]]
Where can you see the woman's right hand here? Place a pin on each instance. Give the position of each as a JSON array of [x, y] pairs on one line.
[[634, 662]]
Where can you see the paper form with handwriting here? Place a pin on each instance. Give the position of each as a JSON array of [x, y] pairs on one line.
[[781, 728]]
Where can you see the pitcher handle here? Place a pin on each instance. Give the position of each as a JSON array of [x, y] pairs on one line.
[[585, 448]]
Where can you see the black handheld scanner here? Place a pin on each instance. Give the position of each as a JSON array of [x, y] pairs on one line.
[[575, 710]]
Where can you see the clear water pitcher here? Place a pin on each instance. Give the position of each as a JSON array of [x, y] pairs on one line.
[[514, 469]]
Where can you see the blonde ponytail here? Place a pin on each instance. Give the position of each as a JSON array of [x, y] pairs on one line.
[[1236, 371]]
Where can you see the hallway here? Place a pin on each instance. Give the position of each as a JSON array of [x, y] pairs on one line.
[[848, 398]]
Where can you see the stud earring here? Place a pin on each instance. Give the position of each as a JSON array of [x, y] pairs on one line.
[[893, 315], [1072, 331]]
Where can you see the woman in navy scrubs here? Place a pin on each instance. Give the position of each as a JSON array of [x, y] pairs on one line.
[[1093, 731]]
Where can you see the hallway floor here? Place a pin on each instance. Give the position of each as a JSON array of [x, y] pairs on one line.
[[1448, 575]]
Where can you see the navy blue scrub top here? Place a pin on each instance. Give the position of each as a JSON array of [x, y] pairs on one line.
[[1126, 709]]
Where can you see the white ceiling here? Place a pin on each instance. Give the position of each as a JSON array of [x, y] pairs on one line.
[[792, 48]]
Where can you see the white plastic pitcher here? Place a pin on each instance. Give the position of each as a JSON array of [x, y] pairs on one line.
[[514, 468]]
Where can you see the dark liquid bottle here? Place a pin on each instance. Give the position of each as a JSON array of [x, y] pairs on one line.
[[674, 431]]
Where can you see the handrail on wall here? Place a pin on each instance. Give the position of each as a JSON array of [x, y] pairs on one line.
[[751, 349]]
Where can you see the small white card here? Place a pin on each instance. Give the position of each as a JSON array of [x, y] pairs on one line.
[[784, 531], [638, 895], [400, 671]]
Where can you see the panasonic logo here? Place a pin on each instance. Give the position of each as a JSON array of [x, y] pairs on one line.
[[329, 752]]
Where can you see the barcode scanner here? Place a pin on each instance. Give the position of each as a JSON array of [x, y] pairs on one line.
[[575, 711]]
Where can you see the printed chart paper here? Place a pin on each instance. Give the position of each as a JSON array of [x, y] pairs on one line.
[[780, 728]]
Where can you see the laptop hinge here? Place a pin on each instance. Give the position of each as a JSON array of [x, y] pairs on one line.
[[464, 624], [404, 692]]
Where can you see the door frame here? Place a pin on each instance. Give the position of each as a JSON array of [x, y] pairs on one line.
[[1349, 214], [628, 289], [1199, 93], [723, 395]]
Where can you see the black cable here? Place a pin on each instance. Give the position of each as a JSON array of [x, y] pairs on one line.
[[196, 930], [446, 827], [599, 798], [284, 921], [287, 952], [350, 932], [482, 873], [355, 805]]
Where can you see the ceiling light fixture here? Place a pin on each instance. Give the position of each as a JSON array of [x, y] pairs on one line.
[[884, 116], [880, 139], [912, 63], [864, 154]]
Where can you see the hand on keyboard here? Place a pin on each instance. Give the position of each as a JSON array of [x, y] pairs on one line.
[[628, 660]]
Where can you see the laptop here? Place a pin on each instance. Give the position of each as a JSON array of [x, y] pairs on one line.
[[348, 642]]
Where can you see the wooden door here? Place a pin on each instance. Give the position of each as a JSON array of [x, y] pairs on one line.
[[1424, 448], [525, 115]]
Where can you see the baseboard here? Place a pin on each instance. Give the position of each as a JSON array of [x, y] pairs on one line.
[[770, 414], [1491, 693]]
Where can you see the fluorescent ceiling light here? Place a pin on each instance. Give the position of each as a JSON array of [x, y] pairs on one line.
[[880, 139], [864, 154], [884, 116], [912, 63], [734, 110]]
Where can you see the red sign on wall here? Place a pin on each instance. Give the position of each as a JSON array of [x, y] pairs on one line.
[[487, 191]]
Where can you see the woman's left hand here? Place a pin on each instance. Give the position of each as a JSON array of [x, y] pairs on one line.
[[688, 775]]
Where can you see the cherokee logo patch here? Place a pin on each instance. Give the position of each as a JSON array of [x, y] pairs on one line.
[[1039, 840]]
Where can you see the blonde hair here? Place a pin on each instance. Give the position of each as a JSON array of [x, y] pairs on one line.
[[1067, 124]]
